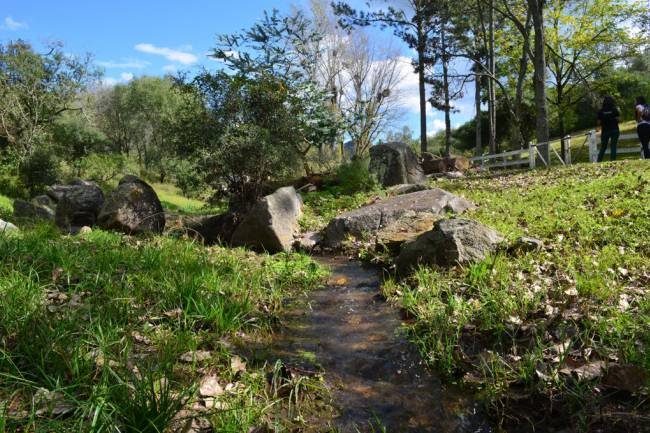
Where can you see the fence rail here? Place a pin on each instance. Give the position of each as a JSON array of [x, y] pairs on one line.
[[531, 156]]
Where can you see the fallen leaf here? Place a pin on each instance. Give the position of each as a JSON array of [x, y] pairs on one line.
[[237, 365], [210, 387], [196, 356]]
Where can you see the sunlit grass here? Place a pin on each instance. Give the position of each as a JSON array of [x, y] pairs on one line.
[[172, 199]]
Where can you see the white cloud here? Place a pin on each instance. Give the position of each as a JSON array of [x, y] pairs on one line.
[[10, 24], [437, 125], [126, 76], [170, 69], [170, 54], [408, 88], [109, 81], [124, 64]]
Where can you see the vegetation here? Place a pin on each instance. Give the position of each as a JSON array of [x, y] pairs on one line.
[[539, 325], [110, 333]]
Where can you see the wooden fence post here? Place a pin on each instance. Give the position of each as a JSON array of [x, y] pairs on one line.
[[593, 147], [531, 155]]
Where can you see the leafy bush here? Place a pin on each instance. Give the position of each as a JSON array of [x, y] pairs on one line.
[[355, 177], [39, 170], [103, 169]]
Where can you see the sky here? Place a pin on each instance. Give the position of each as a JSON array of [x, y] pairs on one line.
[[144, 37]]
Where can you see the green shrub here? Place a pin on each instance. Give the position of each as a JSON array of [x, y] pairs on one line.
[[103, 169], [355, 177], [39, 170]]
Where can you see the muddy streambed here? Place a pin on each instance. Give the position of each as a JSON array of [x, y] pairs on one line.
[[376, 377]]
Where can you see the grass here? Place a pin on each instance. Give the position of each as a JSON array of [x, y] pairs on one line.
[[107, 333], [6, 206], [173, 200], [525, 327]]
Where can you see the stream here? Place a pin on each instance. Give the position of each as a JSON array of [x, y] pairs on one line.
[[376, 377]]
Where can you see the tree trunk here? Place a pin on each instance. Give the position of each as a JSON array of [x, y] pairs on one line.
[[477, 101], [521, 80], [423, 96], [491, 88], [445, 86], [536, 8]]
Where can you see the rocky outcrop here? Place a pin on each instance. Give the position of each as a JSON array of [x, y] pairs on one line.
[[31, 210], [369, 219], [78, 204], [395, 164], [133, 207], [432, 164], [450, 242], [272, 223], [6, 227]]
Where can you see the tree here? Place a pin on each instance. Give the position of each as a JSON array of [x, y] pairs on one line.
[[583, 38], [413, 23], [281, 47], [35, 90]]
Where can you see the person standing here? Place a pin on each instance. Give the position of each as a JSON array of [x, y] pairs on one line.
[[608, 119], [642, 114]]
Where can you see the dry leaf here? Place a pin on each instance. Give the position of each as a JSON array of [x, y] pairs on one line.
[[237, 365], [210, 387]]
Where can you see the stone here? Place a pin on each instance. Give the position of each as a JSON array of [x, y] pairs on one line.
[[407, 188], [85, 230], [56, 192], [6, 227], [395, 164], [370, 219], [217, 229], [78, 204], [408, 227], [451, 242], [526, 244], [132, 208], [25, 209], [432, 164], [272, 223], [308, 241], [44, 200]]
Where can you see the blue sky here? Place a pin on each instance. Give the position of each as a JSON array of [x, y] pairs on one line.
[[144, 37]]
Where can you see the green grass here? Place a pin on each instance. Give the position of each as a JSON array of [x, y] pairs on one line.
[[496, 325], [98, 325], [173, 200], [6, 206]]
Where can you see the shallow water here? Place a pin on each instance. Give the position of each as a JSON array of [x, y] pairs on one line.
[[376, 376]]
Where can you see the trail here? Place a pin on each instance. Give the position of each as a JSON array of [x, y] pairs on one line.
[[376, 376]]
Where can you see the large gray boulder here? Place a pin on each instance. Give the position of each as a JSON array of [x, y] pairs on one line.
[[272, 223], [133, 207], [25, 209], [211, 229], [78, 204], [6, 227], [366, 220], [395, 164], [450, 242]]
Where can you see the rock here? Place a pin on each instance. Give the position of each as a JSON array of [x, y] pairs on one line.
[[370, 219], [25, 209], [44, 200], [308, 241], [78, 204], [56, 192], [84, 230], [395, 164], [272, 223], [526, 245], [213, 229], [450, 242], [133, 207], [432, 164], [408, 227], [6, 227], [407, 188], [454, 175]]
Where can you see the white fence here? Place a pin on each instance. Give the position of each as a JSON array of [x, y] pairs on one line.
[[530, 157]]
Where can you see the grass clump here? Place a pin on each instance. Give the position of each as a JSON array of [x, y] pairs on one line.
[[567, 328], [107, 333]]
